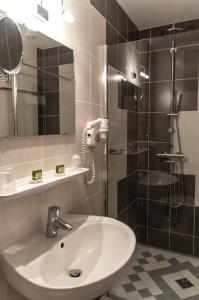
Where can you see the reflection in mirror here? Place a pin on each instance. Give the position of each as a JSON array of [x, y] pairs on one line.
[[45, 89], [11, 55], [11, 46]]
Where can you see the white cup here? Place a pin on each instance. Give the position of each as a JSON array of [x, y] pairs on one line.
[[76, 162], [7, 180]]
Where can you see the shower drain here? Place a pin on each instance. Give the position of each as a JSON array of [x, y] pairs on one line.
[[75, 273]]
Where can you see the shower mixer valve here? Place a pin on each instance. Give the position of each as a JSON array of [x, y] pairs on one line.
[[171, 130], [173, 50]]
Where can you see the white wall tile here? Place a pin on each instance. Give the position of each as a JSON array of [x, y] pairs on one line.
[[80, 29], [96, 80], [82, 75], [189, 124], [2, 285], [92, 206], [98, 33], [82, 116]]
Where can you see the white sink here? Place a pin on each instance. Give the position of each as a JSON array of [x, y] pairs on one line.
[[38, 267]]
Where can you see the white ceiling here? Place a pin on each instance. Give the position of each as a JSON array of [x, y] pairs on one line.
[[151, 13]]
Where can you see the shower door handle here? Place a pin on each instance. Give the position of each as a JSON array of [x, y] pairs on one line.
[[116, 151]]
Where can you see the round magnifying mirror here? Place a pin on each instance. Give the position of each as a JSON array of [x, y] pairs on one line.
[[11, 47]]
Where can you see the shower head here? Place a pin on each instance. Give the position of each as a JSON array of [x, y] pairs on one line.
[[172, 31]]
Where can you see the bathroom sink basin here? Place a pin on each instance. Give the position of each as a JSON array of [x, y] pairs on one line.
[[98, 247]]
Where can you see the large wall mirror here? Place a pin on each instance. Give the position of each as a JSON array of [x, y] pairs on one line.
[[44, 87]]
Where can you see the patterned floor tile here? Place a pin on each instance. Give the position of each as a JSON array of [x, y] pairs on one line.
[[129, 287], [134, 295], [139, 285], [159, 257], [145, 293], [124, 280], [142, 261], [146, 254], [154, 274]]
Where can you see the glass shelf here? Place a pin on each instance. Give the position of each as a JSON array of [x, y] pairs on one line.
[[24, 187]]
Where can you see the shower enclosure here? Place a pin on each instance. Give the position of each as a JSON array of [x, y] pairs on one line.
[[172, 158], [153, 141]]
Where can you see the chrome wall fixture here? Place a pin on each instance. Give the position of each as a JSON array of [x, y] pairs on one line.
[[142, 72], [54, 222], [175, 107]]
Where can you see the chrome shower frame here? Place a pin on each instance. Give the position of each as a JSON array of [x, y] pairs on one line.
[[174, 121]]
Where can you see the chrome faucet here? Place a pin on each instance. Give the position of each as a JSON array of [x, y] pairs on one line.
[[54, 222]]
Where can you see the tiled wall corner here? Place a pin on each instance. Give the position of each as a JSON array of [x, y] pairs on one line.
[[122, 60]]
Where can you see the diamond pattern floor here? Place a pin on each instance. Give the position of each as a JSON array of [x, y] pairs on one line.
[[156, 274]]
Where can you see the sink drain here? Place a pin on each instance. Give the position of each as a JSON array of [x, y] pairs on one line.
[[75, 273]]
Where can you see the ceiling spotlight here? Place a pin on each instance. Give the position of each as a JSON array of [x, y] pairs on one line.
[[144, 75], [68, 16], [119, 77], [66, 13]]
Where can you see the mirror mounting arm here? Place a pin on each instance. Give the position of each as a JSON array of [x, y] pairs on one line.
[[14, 103]]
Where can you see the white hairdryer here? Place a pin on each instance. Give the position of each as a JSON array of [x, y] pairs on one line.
[[98, 126]]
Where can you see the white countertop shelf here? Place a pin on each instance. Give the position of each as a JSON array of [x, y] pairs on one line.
[[50, 179]]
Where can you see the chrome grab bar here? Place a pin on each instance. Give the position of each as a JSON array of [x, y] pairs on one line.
[[173, 155]]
